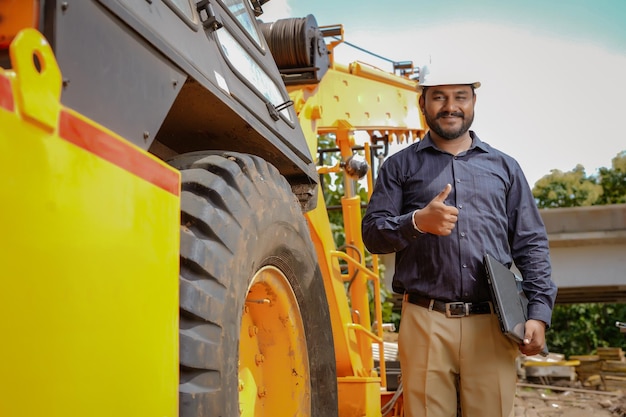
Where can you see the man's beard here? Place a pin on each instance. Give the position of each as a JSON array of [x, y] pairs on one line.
[[448, 134]]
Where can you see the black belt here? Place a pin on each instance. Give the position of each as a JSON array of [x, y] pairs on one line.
[[454, 309]]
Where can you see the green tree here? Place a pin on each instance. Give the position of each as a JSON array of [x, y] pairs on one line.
[[613, 181], [579, 329], [567, 189], [575, 188]]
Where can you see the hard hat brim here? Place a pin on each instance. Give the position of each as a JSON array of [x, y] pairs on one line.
[[420, 87]]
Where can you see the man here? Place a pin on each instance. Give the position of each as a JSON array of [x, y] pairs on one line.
[[440, 205]]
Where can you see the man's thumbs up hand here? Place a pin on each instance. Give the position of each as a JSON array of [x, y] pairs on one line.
[[441, 197], [437, 218]]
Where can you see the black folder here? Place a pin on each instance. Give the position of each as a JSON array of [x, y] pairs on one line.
[[509, 301]]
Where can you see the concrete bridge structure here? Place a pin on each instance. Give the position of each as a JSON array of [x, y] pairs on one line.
[[588, 252]]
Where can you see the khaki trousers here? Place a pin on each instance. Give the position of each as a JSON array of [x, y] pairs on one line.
[[439, 355]]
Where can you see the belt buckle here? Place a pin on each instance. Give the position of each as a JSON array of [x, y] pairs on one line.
[[457, 309]]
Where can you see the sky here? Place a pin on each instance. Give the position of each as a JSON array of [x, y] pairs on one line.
[[553, 72]]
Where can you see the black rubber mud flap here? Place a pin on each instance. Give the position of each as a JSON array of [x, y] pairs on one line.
[[238, 215]]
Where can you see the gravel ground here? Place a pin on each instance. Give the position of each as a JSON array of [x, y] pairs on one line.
[[548, 401]]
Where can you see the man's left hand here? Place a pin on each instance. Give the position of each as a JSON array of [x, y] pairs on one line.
[[534, 338]]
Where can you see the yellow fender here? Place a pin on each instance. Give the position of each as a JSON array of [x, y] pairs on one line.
[[88, 257]]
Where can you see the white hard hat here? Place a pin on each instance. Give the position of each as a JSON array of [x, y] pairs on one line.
[[429, 77]]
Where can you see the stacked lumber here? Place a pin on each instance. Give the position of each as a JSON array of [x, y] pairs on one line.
[[613, 371], [590, 366], [611, 353], [606, 369]]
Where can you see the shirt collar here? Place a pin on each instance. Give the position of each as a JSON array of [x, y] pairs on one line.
[[427, 142]]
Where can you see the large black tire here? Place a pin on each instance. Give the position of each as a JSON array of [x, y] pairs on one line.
[[238, 217]]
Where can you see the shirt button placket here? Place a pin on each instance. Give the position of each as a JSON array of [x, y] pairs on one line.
[[462, 237]]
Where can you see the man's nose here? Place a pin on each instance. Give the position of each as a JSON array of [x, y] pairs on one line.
[[450, 106]]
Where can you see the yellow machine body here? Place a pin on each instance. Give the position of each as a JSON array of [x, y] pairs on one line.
[[67, 309], [89, 255]]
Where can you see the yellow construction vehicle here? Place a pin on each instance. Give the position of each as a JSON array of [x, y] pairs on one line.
[[166, 248]]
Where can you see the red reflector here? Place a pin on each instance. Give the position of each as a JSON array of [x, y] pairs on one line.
[[6, 94]]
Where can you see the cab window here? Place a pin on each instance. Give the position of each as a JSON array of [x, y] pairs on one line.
[[243, 16]]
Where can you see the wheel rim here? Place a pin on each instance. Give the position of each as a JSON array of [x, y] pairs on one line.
[[273, 359]]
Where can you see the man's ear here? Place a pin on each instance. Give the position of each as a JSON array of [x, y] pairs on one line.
[[421, 102]]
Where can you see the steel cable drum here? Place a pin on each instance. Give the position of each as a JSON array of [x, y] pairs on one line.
[[288, 41]]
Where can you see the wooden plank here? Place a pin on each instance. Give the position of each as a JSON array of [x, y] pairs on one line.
[[557, 388]]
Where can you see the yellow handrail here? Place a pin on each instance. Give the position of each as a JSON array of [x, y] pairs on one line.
[[378, 338]]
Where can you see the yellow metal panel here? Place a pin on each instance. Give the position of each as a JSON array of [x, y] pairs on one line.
[[359, 397], [88, 271], [364, 103], [346, 352]]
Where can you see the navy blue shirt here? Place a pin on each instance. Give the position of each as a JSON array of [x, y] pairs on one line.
[[497, 215]]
